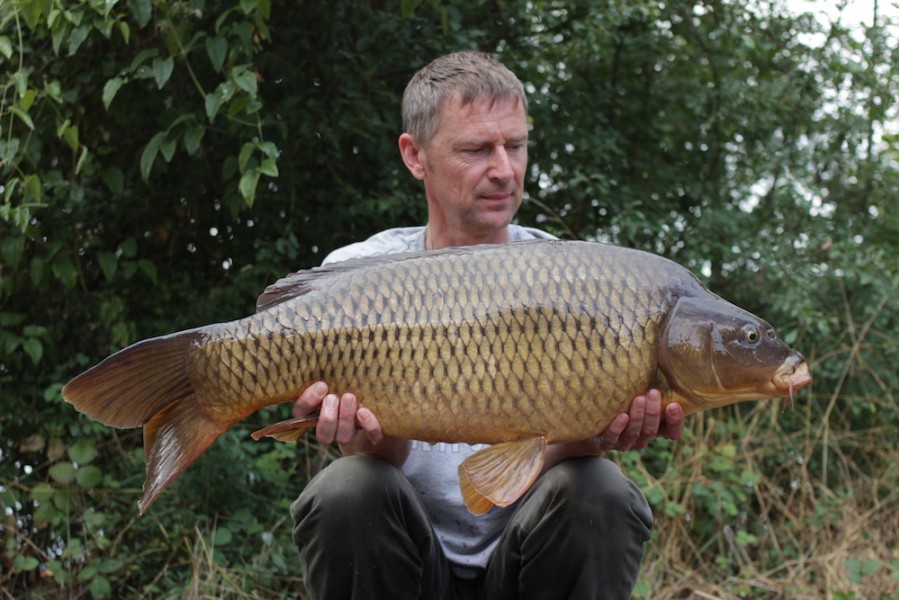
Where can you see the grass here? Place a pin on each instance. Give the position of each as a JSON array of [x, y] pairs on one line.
[[805, 530]]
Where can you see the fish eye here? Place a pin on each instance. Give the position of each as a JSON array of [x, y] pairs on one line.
[[750, 334]]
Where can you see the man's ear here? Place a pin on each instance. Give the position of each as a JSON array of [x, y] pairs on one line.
[[413, 155]]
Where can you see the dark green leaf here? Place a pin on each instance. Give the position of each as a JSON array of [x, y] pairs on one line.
[[22, 115], [217, 50], [212, 104], [108, 264], [246, 151], [149, 270], [141, 10], [148, 156], [77, 37], [247, 186], [114, 179], [65, 271], [34, 191], [83, 451], [245, 79], [110, 89], [162, 70], [89, 476], [12, 247], [34, 348], [223, 536], [192, 139], [129, 248], [25, 563], [100, 587], [268, 167], [167, 149], [5, 47], [63, 473]]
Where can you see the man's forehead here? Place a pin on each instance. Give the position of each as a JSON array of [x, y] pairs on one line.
[[457, 102]]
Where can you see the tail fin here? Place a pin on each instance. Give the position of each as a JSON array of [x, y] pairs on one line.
[[146, 384]]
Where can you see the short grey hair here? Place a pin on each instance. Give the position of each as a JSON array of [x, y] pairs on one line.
[[469, 75]]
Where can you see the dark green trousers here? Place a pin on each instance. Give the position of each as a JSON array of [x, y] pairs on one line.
[[363, 533]]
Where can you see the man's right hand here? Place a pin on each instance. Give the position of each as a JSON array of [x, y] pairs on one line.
[[355, 429]]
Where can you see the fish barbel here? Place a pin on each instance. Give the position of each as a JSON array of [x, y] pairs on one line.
[[517, 345]]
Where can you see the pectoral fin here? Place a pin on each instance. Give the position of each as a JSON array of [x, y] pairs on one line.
[[500, 474], [287, 431]]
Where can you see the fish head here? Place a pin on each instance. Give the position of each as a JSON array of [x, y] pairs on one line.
[[713, 353]]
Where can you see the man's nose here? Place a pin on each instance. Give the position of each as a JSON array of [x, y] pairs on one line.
[[500, 165]]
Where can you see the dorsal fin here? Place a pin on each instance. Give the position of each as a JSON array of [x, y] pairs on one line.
[[306, 281]]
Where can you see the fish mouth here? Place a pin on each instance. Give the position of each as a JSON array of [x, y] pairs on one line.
[[792, 375]]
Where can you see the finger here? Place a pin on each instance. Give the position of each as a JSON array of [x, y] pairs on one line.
[[636, 413], [651, 420], [346, 419], [368, 422], [673, 426], [310, 399], [326, 428], [608, 439]]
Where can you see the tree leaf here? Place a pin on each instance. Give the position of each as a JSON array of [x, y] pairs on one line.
[[114, 179], [108, 264], [192, 138], [34, 348], [63, 473], [213, 102], [77, 37], [162, 70], [141, 10], [245, 79], [83, 451], [217, 50], [89, 476], [25, 563], [149, 270], [167, 149], [23, 116], [34, 191], [110, 89], [65, 271], [148, 156], [269, 167], [246, 151], [269, 149], [247, 186]]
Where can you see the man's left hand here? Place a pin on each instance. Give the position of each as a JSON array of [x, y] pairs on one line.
[[644, 421]]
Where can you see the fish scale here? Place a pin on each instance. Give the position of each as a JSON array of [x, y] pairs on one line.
[[517, 346]]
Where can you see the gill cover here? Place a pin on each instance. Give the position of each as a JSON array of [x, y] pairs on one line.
[[714, 353]]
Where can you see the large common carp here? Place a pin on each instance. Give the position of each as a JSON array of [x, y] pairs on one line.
[[517, 345]]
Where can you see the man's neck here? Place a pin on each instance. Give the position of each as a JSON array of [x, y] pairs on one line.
[[436, 239]]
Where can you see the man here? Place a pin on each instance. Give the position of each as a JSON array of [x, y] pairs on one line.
[[387, 520]]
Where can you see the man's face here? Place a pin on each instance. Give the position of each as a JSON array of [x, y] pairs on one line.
[[474, 165]]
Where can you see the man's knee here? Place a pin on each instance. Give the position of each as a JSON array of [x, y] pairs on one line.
[[351, 482], [345, 495], [596, 488]]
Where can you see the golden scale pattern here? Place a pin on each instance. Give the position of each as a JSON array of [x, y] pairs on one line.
[[522, 339]]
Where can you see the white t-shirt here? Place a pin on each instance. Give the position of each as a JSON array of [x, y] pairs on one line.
[[432, 469]]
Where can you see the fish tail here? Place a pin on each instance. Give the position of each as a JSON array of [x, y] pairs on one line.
[[147, 385]]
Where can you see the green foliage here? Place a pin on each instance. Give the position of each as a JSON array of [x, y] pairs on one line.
[[161, 162]]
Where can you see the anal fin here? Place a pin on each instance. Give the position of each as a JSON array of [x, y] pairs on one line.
[[289, 430], [500, 474]]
